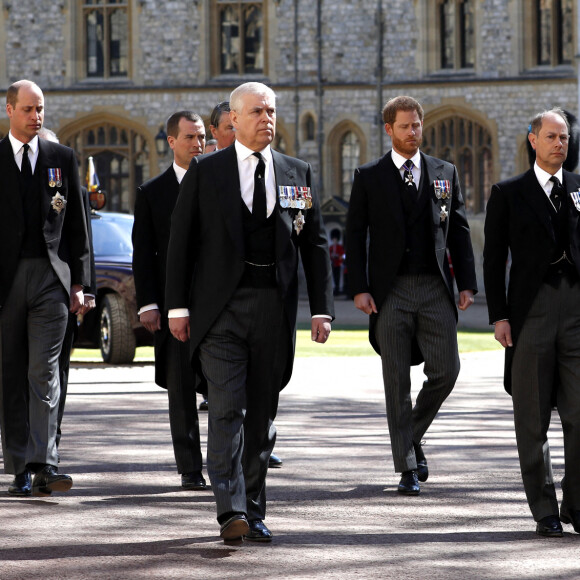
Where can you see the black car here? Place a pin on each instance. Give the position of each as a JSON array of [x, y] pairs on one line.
[[113, 326]]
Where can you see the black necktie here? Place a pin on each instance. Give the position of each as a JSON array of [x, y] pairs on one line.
[[25, 167], [557, 193], [259, 201], [409, 180]]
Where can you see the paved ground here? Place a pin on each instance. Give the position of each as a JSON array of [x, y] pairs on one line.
[[332, 507]]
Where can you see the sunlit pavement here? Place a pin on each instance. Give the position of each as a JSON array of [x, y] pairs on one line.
[[332, 507]]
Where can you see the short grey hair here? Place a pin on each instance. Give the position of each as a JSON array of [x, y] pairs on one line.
[[48, 134], [538, 120], [252, 88]]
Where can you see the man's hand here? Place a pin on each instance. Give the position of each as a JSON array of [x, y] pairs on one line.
[[503, 333], [77, 299], [320, 329], [180, 328], [465, 299], [151, 320], [364, 301], [89, 304]]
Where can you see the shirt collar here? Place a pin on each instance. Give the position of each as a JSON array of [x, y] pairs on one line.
[[179, 172], [17, 145], [399, 160], [244, 152], [543, 176]]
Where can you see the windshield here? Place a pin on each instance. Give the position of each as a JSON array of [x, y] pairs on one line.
[[112, 237]]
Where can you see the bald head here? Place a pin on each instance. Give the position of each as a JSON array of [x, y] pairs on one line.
[[25, 109]]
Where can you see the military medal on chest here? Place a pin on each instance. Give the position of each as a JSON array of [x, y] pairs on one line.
[[58, 202], [443, 214], [576, 198], [299, 222], [442, 188]]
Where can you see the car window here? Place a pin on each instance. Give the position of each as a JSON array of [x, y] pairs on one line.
[[112, 237]]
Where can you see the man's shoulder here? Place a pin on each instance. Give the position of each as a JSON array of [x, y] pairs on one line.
[[54, 149], [375, 163], [161, 180], [515, 181], [436, 162], [571, 178], [289, 160]]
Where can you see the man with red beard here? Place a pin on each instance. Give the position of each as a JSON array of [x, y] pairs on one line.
[[410, 205]]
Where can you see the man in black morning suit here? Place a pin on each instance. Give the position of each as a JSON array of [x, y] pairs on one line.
[[232, 287], [153, 207], [410, 205], [45, 266], [535, 216]]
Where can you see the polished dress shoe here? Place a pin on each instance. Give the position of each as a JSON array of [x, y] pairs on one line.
[[570, 516], [258, 532], [235, 528], [193, 480], [48, 480], [550, 527], [21, 485], [275, 461], [204, 405], [409, 484], [422, 469]]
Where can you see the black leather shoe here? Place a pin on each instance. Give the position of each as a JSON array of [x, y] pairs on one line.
[[48, 480], [422, 469], [204, 406], [193, 480], [409, 484], [570, 516], [258, 532], [275, 461], [235, 528], [550, 527], [21, 485]]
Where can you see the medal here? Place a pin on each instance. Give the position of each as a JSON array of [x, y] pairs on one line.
[[58, 202], [442, 188], [576, 198], [443, 214], [283, 196], [299, 222], [58, 177], [51, 178]]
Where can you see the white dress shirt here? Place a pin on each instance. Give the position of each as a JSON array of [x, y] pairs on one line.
[[17, 148], [399, 161]]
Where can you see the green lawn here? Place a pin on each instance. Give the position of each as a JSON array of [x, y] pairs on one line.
[[340, 343]]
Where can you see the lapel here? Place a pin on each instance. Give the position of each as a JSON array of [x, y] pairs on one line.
[[386, 183], [532, 193], [47, 158], [228, 192], [570, 186], [434, 169], [285, 174], [10, 190]]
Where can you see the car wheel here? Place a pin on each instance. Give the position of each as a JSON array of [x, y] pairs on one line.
[[116, 336]]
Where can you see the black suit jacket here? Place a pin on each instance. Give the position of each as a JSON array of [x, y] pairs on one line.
[[205, 261], [65, 232], [154, 205], [518, 221], [376, 210]]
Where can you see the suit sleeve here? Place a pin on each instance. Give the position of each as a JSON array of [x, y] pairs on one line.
[[357, 225], [76, 228], [182, 251], [495, 254], [144, 252], [92, 289], [316, 259], [459, 241]]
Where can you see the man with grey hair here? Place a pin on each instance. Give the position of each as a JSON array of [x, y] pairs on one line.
[[536, 217], [242, 216]]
